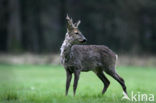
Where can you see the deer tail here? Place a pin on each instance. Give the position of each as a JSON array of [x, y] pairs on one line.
[[116, 60], [116, 57]]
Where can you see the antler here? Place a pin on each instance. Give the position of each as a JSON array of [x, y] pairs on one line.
[[70, 22], [77, 24]]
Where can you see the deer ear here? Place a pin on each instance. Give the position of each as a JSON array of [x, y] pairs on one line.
[[77, 24], [70, 25]]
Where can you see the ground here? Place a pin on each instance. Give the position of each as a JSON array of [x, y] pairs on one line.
[[46, 84]]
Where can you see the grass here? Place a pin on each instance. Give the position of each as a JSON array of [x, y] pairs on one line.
[[46, 84]]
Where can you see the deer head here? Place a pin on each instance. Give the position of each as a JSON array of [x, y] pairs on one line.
[[73, 33]]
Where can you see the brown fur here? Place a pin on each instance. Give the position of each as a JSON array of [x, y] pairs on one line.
[[78, 58]]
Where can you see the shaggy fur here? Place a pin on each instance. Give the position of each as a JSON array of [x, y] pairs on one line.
[[77, 58]]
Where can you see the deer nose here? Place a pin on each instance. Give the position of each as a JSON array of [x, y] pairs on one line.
[[84, 40]]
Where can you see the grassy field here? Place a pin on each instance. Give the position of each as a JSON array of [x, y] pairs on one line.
[[46, 84]]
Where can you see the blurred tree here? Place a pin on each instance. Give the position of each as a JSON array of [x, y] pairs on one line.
[[39, 25], [14, 26], [3, 24]]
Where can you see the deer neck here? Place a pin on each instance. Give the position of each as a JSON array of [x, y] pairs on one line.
[[65, 50]]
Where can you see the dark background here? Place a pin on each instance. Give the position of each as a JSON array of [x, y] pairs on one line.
[[39, 26]]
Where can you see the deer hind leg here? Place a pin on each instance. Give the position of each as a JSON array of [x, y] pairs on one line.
[[76, 79], [118, 78], [68, 80], [105, 81]]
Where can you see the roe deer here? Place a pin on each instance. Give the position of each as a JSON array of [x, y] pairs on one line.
[[77, 58]]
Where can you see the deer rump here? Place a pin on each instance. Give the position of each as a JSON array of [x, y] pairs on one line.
[[91, 57]]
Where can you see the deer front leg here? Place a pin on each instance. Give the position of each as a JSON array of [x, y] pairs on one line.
[[76, 78], [68, 80]]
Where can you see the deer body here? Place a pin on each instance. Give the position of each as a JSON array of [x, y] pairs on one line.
[[77, 58], [90, 57]]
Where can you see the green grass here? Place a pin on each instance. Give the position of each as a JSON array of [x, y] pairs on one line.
[[46, 84]]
